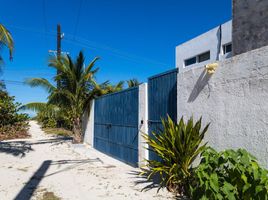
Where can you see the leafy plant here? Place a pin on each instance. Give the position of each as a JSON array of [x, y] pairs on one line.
[[9, 110], [12, 123], [230, 175], [49, 115], [177, 145]]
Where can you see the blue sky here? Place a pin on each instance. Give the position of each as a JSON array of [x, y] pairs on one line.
[[134, 38]]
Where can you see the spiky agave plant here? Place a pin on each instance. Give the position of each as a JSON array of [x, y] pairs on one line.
[[177, 146]]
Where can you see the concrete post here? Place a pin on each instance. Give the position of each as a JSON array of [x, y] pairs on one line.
[[143, 125], [88, 121]]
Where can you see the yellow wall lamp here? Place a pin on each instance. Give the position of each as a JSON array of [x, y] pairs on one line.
[[211, 68]]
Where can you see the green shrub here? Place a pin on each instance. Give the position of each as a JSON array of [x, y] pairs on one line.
[[12, 123], [230, 175], [51, 118], [177, 145], [9, 110]]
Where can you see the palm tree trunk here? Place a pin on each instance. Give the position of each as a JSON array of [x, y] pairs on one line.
[[77, 130]]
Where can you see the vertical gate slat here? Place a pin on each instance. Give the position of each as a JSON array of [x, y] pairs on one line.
[[162, 101]]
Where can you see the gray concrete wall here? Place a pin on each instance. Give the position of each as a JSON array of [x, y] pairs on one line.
[[234, 100], [88, 125], [209, 41], [143, 125], [250, 25]]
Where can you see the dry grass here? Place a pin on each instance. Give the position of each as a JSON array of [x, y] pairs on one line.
[[9, 132], [57, 131], [49, 196]]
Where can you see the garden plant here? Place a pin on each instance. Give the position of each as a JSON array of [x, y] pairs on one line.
[[12, 123], [221, 175]]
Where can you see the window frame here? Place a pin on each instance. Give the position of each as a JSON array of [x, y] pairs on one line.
[[224, 48], [197, 59], [194, 57]]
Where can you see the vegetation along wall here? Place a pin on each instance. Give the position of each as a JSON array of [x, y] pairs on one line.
[[234, 99]]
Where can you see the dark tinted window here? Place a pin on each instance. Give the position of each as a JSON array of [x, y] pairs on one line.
[[227, 48], [204, 56], [190, 61]]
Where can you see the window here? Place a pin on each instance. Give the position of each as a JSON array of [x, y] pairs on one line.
[[190, 61], [227, 48], [197, 59], [204, 56]]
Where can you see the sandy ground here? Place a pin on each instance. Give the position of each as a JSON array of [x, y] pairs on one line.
[[45, 163]]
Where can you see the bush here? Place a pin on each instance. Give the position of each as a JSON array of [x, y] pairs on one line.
[[12, 123], [230, 175], [177, 145], [51, 118], [9, 110]]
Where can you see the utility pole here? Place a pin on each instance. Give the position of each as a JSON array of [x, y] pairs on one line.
[[59, 36], [58, 52]]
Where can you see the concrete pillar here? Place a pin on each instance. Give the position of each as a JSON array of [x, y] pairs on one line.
[[88, 125], [143, 125]]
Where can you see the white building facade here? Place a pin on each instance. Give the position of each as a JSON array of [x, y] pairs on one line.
[[209, 47]]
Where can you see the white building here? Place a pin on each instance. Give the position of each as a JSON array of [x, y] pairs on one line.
[[209, 47]]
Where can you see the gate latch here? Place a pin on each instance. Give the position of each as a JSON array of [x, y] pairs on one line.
[[109, 126]]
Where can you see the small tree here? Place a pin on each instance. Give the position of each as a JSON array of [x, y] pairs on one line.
[[77, 88]]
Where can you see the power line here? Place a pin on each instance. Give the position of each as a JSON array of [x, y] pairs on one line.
[[44, 15], [77, 19], [116, 52], [48, 32], [96, 46], [45, 20], [13, 82]]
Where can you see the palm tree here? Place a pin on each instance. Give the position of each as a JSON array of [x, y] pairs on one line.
[[6, 40], [77, 88], [132, 83], [106, 87]]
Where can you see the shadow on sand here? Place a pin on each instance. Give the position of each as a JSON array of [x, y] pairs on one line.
[[141, 179], [153, 182], [30, 187], [21, 147]]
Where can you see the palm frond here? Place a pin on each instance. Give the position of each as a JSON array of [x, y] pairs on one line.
[[35, 106], [41, 82], [132, 83], [6, 39]]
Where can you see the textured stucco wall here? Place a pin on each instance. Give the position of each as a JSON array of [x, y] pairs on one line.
[[209, 41], [234, 100], [250, 25]]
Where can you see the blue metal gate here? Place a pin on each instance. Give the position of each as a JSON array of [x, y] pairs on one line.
[[116, 125], [162, 100]]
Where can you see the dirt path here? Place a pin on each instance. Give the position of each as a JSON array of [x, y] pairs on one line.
[[45, 163]]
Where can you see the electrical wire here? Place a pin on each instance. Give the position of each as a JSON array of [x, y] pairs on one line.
[[82, 42], [78, 18]]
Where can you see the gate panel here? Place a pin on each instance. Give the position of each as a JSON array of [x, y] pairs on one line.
[[116, 125], [162, 100]]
